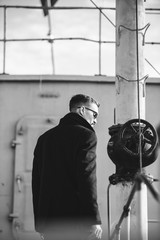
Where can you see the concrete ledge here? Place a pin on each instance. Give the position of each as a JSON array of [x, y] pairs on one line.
[[65, 78]]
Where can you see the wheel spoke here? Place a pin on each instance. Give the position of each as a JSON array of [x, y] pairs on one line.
[[146, 140]]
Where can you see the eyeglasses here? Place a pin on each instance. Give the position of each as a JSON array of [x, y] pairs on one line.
[[95, 114]]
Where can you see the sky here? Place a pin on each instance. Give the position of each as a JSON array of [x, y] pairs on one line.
[[74, 57]]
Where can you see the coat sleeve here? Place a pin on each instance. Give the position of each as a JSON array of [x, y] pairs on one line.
[[87, 181]]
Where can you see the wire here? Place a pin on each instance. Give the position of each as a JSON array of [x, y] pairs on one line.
[[138, 89], [103, 14], [152, 66]]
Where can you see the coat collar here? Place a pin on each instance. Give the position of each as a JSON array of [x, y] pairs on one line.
[[75, 119]]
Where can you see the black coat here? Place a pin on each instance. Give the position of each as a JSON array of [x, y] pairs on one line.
[[64, 174]]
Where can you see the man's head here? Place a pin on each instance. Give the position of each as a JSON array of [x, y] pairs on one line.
[[85, 106]]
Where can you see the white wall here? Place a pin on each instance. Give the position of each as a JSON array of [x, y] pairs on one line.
[[20, 97]]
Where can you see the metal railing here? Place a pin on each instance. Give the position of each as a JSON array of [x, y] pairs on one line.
[[50, 38]]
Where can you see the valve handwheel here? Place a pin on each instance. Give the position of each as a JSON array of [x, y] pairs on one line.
[[130, 132], [126, 146]]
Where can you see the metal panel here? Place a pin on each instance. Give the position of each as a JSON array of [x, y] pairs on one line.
[[27, 131]]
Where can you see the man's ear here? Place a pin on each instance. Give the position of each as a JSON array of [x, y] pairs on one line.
[[81, 111]]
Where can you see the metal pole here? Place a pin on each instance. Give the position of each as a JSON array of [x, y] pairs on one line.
[[130, 100], [108, 210], [142, 213], [129, 225], [4, 42], [51, 41], [100, 44], [126, 61]]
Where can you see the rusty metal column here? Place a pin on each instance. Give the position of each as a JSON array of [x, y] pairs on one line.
[[130, 100]]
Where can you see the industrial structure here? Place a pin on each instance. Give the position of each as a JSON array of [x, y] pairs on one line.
[[31, 104]]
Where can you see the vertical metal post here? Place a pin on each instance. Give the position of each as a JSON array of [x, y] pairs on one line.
[[51, 41], [142, 213], [108, 210], [129, 225], [4, 42], [100, 38]]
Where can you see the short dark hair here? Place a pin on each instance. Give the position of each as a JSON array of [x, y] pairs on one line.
[[80, 99]]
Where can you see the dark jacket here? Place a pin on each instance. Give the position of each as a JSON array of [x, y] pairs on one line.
[[64, 174]]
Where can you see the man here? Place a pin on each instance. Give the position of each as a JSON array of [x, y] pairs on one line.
[[64, 175]]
